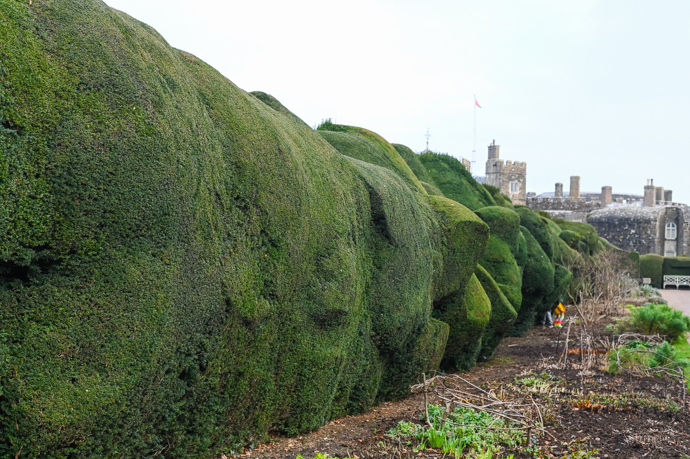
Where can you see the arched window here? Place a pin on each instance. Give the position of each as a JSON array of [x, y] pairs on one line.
[[670, 230]]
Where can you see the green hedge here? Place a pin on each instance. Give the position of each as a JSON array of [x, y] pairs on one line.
[[504, 223], [538, 228], [431, 189], [499, 257], [500, 198], [412, 160], [464, 238], [186, 266], [369, 147], [677, 266], [652, 267], [503, 314], [456, 183], [587, 232], [467, 313], [537, 284]]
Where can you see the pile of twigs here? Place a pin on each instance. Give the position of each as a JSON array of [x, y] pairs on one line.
[[523, 414]]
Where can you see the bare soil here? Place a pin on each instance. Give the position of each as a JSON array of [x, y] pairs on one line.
[[619, 415]]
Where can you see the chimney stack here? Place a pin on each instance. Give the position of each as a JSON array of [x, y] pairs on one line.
[[606, 195], [575, 187], [650, 194]]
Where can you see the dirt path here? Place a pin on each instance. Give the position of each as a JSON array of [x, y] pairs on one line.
[[679, 299]]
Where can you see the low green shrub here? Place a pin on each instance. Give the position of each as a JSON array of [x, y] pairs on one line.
[[639, 354], [655, 319]]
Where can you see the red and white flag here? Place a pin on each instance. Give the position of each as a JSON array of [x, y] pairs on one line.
[[476, 103]]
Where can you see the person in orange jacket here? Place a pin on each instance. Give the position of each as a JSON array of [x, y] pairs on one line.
[[559, 312]]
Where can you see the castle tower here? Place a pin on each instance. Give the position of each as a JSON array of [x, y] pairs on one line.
[[508, 176], [575, 187], [606, 195], [558, 194], [650, 194], [493, 150]]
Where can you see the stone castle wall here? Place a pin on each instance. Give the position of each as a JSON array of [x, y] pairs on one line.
[[501, 174], [565, 204]]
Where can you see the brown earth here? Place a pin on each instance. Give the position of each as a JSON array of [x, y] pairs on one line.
[[621, 416]]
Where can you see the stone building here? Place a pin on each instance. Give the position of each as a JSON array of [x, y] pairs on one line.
[[649, 223], [508, 176], [660, 229]]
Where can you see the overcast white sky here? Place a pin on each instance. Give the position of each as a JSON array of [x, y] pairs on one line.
[[595, 88]]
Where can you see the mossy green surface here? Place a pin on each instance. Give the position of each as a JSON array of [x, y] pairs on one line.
[[632, 264], [561, 281], [500, 198], [537, 284], [467, 313], [503, 314], [676, 266], [462, 237], [369, 147], [571, 238], [399, 301], [652, 267], [587, 232], [538, 228], [504, 223], [499, 257], [431, 189], [185, 266], [456, 183], [412, 160]]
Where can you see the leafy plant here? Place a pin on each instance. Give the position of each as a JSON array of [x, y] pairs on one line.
[[459, 429], [320, 456], [655, 319]]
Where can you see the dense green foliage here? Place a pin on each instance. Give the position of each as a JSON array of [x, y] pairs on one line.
[[651, 266], [464, 237], [539, 229], [461, 429], [431, 189], [412, 160], [503, 314], [500, 198], [499, 256], [185, 266], [654, 319], [676, 266], [537, 284], [456, 183], [369, 147], [467, 313], [587, 235]]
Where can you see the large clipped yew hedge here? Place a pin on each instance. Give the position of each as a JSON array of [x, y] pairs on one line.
[[185, 266]]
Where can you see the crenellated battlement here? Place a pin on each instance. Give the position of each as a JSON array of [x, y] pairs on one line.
[[510, 177]]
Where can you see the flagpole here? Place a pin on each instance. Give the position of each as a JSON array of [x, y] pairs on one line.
[[474, 137]]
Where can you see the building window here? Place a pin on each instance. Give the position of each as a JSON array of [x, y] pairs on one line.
[[670, 231], [514, 187]]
